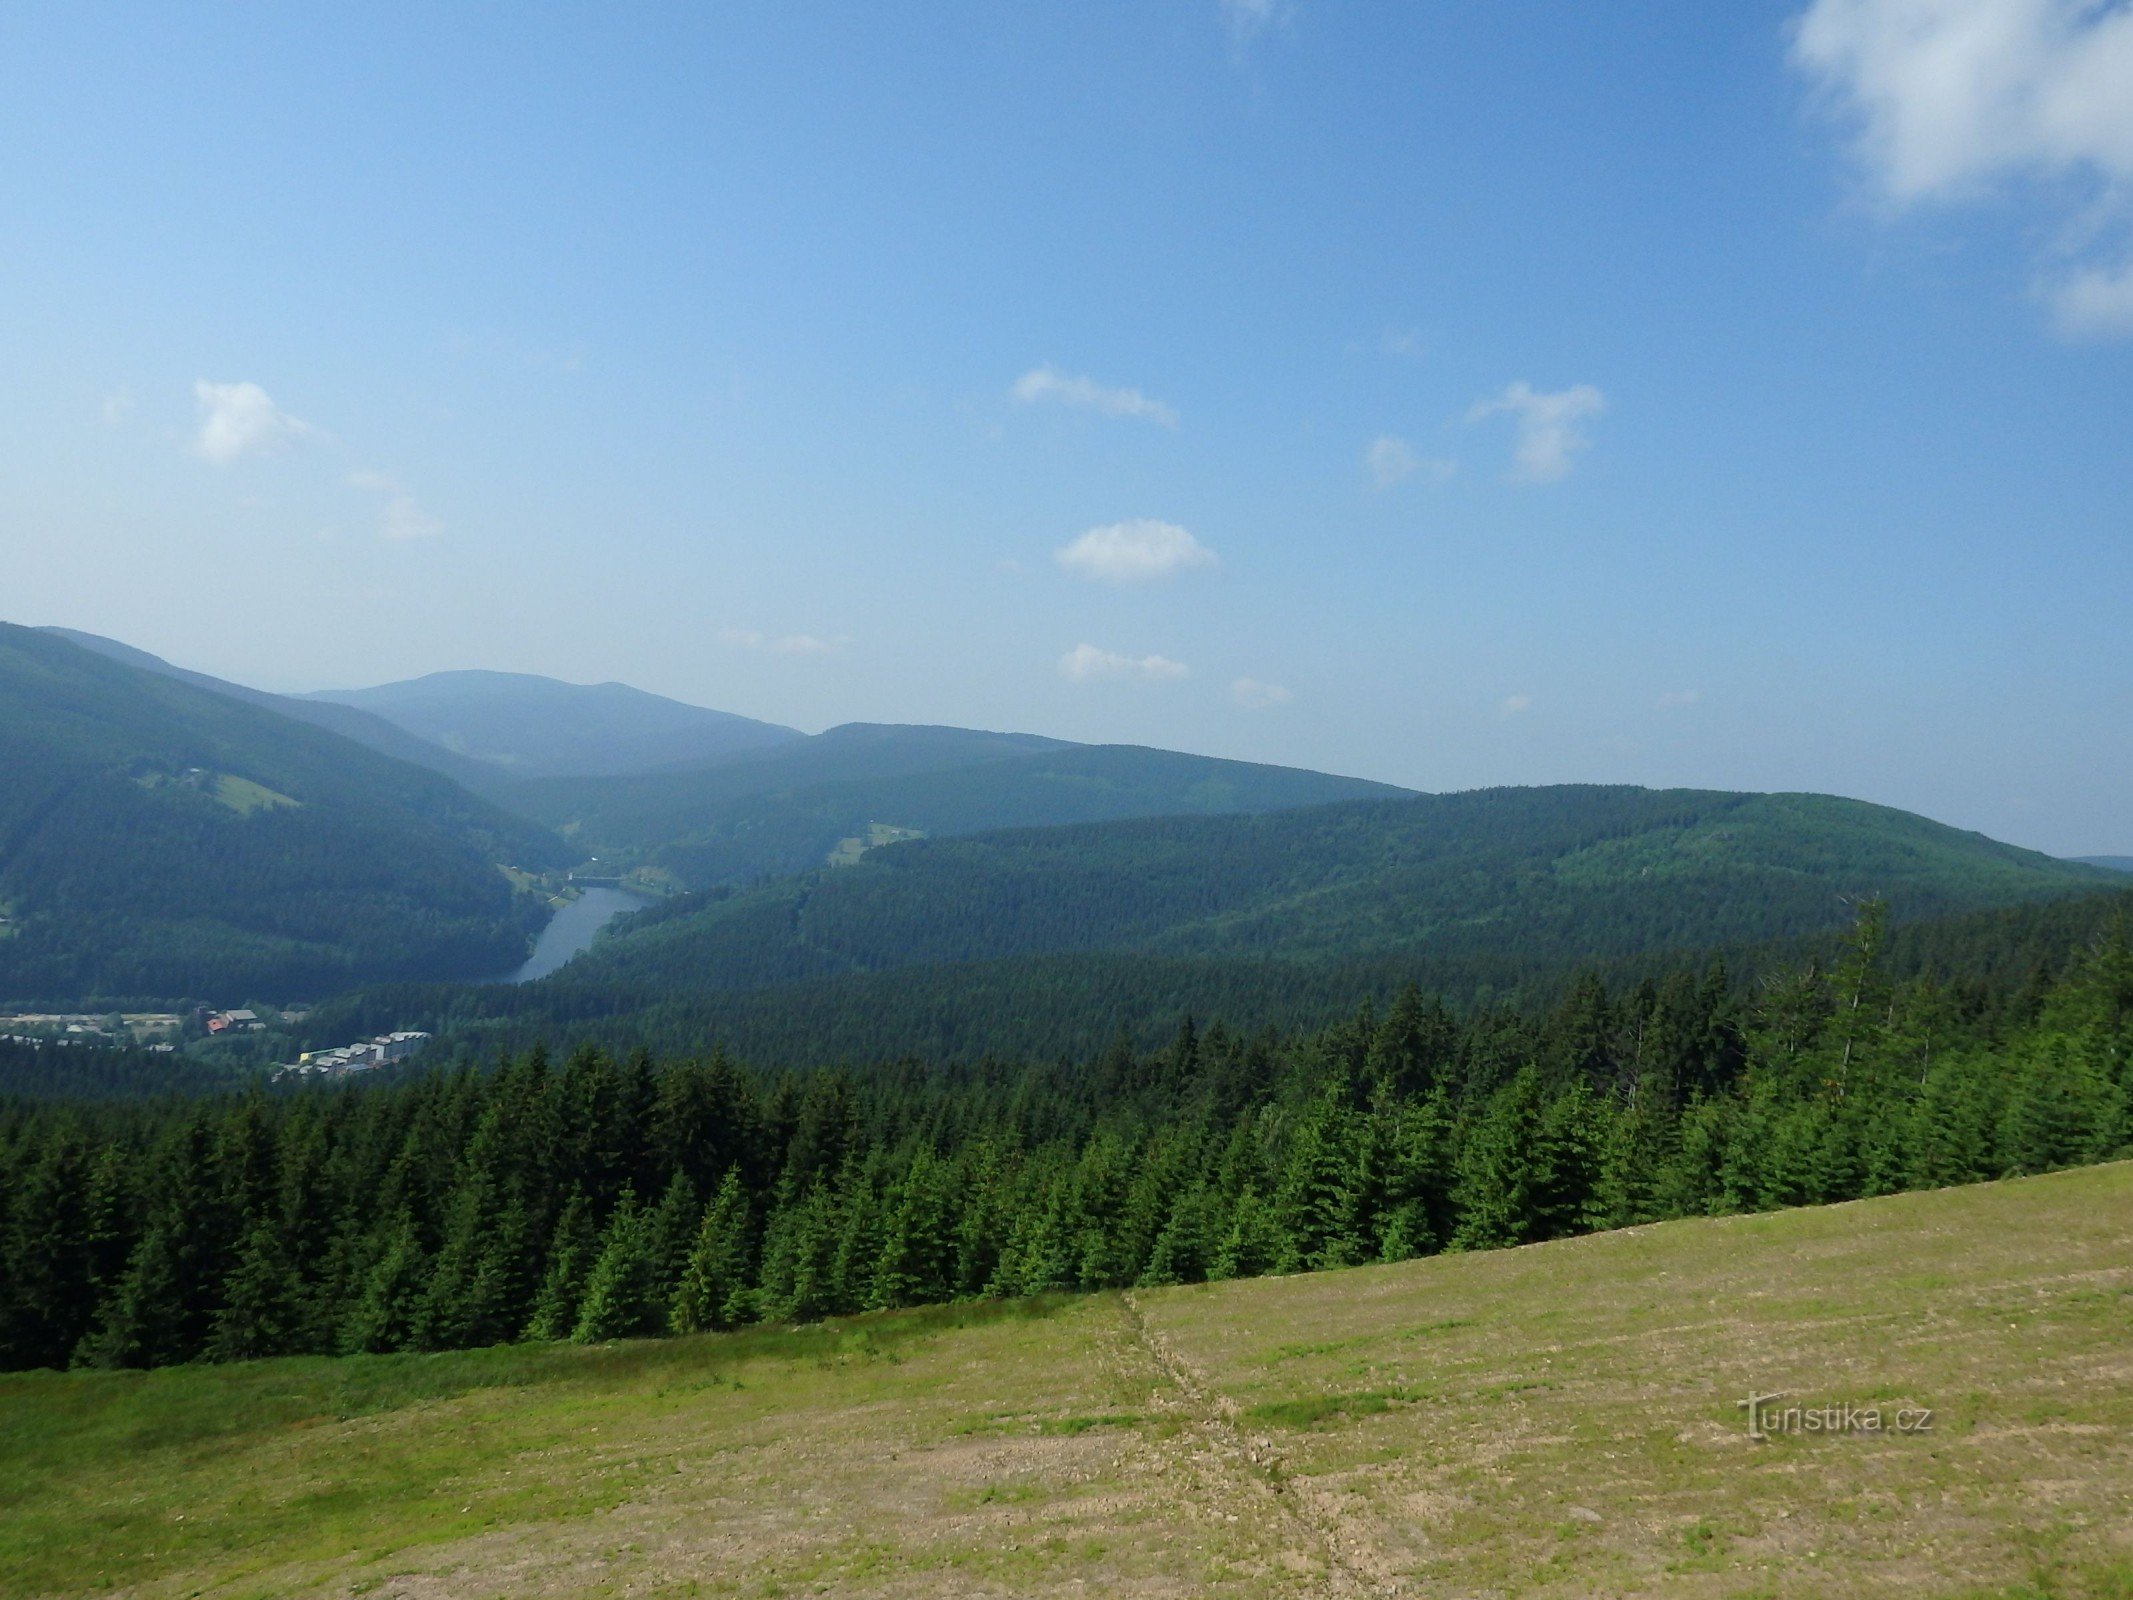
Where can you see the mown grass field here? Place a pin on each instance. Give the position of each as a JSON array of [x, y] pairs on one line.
[[1560, 1420]]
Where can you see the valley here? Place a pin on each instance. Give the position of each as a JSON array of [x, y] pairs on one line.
[[571, 931], [1247, 799]]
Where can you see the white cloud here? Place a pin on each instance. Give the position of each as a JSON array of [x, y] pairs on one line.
[[1248, 19], [788, 644], [1950, 96], [400, 519], [1548, 435], [1389, 460], [1513, 705], [1257, 696], [1049, 383], [2094, 301], [1401, 342], [1680, 697], [1085, 662], [238, 419], [117, 406], [1141, 551]]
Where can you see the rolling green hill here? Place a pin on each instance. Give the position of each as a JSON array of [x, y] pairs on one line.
[[696, 798], [161, 839], [372, 732], [529, 726], [785, 810], [1558, 874], [1057, 939]]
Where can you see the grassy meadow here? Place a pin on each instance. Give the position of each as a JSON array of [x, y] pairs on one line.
[[1558, 1420]]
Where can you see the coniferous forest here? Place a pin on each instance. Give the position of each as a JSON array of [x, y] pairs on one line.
[[600, 1196]]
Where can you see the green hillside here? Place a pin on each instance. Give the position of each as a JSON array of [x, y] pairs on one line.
[[1031, 943], [372, 732], [784, 811], [160, 839], [1023, 1324], [529, 726], [1561, 1420], [1544, 875], [1077, 1004]]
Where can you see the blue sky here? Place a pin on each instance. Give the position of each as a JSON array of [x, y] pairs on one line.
[[1728, 395]]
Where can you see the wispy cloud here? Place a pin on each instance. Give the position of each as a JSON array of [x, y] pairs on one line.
[[784, 644], [1246, 20], [1514, 705], [1256, 696], [1404, 342], [116, 407], [239, 419], [1141, 551], [1391, 459], [1675, 698], [1085, 662], [1949, 97], [1548, 432], [400, 519], [1086, 394]]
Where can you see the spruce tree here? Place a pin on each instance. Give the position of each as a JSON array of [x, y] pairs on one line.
[[914, 1260], [714, 1279], [1502, 1180], [384, 1315], [1185, 1247], [262, 1303], [621, 1297], [571, 1252], [1250, 1243], [670, 1231]]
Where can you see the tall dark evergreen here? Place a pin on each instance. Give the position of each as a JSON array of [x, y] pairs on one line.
[[460, 1207]]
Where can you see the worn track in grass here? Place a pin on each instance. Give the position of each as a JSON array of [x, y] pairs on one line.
[[1558, 1421]]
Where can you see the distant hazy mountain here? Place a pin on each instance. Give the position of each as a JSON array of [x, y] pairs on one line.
[[2109, 863], [534, 727], [162, 839], [783, 810], [373, 732]]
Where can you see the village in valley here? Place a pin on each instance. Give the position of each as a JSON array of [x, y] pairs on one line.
[[169, 1032], [363, 1056]]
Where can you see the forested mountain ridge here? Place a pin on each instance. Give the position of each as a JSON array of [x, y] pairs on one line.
[[1026, 943], [158, 839], [531, 726], [1573, 873], [372, 732], [700, 798], [1039, 1007], [783, 811]]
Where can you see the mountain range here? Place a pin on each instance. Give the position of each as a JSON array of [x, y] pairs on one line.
[[1033, 940], [163, 839], [535, 727], [167, 833]]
